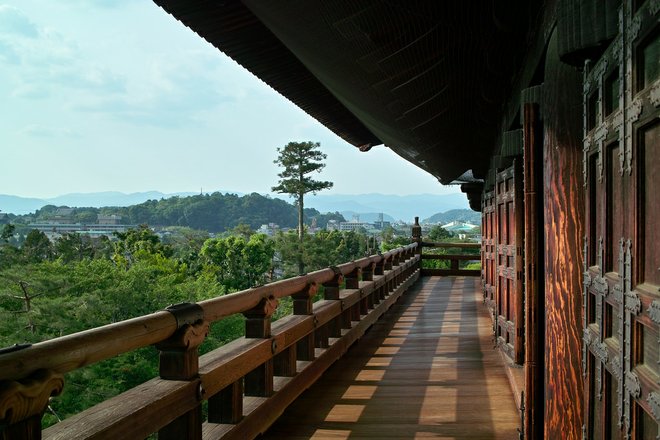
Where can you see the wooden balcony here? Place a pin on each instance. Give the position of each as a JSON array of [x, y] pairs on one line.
[[426, 370], [420, 363]]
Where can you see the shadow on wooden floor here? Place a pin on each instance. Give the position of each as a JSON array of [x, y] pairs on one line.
[[426, 370]]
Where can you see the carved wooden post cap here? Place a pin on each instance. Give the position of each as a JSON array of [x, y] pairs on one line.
[[257, 323], [302, 301], [23, 399], [331, 287], [353, 279]]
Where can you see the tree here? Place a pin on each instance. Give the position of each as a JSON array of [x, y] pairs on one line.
[[438, 233], [299, 160], [37, 247], [239, 263]]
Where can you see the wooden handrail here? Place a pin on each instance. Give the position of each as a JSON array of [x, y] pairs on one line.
[[30, 375], [451, 245], [84, 348]]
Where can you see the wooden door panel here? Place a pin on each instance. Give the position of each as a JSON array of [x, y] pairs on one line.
[[622, 247]]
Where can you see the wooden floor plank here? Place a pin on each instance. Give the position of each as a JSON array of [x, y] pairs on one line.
[[426, 370]]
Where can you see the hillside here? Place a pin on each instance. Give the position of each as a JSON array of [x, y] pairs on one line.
[[455, 215], [210, 212], [394, 207]]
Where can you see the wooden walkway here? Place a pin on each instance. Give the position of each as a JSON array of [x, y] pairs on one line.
[[426, 370]]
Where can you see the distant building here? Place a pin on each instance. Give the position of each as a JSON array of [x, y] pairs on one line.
[[270, 229], [353, 225], [55, 229], [113, 219], [332, 225], [62, 216], [459, 227]]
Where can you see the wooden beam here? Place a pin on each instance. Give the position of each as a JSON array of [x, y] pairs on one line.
[[534, 396]]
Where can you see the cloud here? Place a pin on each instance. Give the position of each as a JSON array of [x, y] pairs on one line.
[[8, 54], [30, 91], [182, 105], [14, 22], [104, 4], [41, 131]]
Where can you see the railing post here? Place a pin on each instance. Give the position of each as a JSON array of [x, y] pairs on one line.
[[23, 403], [417, 236], [259, 382], [379, 269], [331, 292], [179, 360], [303, 304], [368, 275]]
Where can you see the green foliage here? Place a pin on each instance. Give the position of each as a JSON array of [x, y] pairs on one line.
[[37, 247], [320, 250], [322, 219], [77, 283], [7, 232], [136, 243], [392, 239], [438, 234], [239, 263]]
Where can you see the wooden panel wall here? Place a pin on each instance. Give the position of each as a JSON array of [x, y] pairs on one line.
[[563, 201], [488, 248], [621, 100], [509, 329]]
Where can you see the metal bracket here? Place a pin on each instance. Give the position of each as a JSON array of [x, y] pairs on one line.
[[186, 313]]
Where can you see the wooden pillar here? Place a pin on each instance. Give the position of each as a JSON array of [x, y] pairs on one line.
[[179, 360], [563, 230], [534, 303]]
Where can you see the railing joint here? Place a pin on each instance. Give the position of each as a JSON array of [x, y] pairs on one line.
[[186, 313]]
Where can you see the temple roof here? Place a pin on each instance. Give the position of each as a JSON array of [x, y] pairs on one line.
[[429, 79]]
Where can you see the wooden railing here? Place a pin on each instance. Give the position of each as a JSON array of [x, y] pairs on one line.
[[453, 259], [247, 383]]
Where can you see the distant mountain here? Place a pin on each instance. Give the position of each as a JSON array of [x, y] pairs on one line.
[[399, 207], [394, 207], [23, 205], [20, 205], [455, 215], [110, 198], [368, 217]]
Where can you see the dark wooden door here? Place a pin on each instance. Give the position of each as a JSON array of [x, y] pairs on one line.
[[508, 259], [621, 301], [488, 248]]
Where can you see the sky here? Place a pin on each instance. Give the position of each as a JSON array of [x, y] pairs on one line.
[[116, 95]]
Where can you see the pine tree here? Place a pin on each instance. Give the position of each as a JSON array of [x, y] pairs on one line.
[[299, 160]]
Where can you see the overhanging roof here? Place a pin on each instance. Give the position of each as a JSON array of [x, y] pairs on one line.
[[426, 78]]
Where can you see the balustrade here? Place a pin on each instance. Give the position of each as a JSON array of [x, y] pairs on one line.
[[247, 383]]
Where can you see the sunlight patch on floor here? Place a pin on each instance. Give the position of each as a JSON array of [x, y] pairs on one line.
[[439, 405], [379, 361], [360, 392], [345, 413], [371, 375], [387, 350], [335, 434]]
